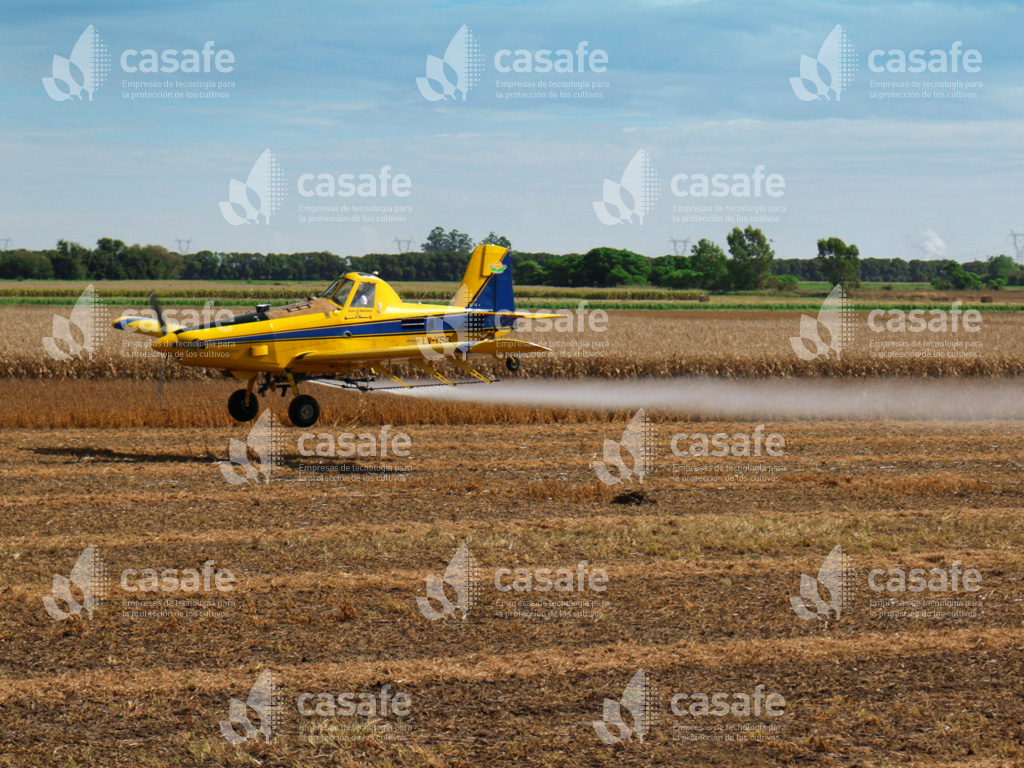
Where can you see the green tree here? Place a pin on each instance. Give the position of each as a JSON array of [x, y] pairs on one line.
[[839, 262], [1002, 267], [562, 270], [69, 261], [528, 273], [609, 267], [24, 265], [149, 262], [788, 282], [953, 275], [709, 261], [105, 261], [321, 266], [752, 256], [439, 241], [682, 278], [204, 265], [995, 283], [493, 239]]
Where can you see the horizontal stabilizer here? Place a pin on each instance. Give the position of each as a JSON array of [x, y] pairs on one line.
[[532, 315], [505, 347]]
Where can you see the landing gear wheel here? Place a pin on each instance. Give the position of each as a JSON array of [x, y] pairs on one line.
[[304, 411], [239, 410], [513, 363]]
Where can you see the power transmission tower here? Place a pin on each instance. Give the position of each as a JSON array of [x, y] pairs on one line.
[[6, 241], [183, 249], [675, 245], [404, 245], [1018, 245]]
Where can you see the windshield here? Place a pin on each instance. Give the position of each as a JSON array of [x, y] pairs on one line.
[[364, 295], [339, 291]]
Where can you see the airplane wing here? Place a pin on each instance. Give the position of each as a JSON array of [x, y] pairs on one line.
[[316, 360]]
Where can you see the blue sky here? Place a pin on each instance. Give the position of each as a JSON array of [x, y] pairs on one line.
[[702, 87]]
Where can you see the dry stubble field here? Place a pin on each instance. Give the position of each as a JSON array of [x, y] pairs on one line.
[[700, 578], [624, 344]]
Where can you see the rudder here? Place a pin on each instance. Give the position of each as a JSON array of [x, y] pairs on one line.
[[487, 284]]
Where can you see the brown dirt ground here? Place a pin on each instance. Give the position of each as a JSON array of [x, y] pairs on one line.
[[328, 575]]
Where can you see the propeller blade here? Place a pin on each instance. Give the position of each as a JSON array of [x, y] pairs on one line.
[[159, 311], [160, 381]]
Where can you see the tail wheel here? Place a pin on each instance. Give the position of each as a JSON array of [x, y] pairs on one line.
[[239, 410], [304, 411], [513, 363]]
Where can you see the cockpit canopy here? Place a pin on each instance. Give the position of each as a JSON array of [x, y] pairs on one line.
[[353, 291]]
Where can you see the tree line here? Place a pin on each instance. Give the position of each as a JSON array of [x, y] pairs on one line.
[[993, 272], [747, 263]]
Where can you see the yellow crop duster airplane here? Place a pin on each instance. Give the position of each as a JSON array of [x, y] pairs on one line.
[[351, 334]]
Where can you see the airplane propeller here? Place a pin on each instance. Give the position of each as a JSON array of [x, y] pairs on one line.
[[159, 311], [163, 329]]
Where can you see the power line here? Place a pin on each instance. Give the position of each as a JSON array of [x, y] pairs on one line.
[[675, 245], [1018, 244], [986, 250]]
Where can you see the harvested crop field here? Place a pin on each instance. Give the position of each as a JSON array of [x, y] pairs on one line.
[[327, 573], [696, 576], [614, 344]]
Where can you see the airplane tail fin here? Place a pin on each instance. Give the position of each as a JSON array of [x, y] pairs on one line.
[[487, 284]]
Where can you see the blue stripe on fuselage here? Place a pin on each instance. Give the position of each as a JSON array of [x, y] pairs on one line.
[[452, 322]]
